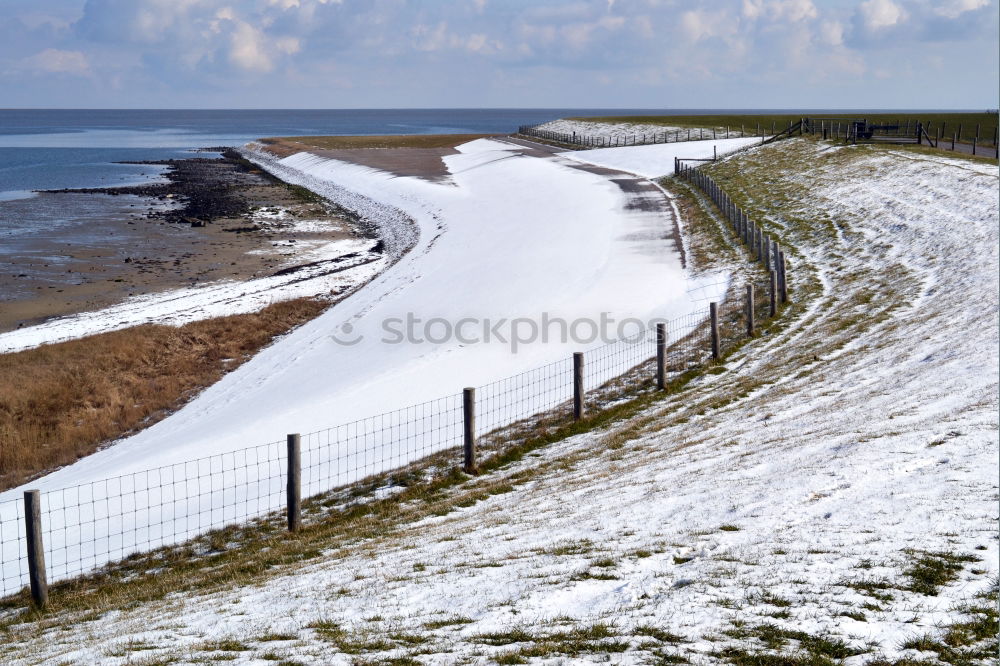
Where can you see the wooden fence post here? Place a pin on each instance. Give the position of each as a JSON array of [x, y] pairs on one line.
[[293, 489], [774, 292], [661, 356], [578, 389], [782, 277], [713, 311], [749, 310], [767, 253], [36, 549], [469, 430], [974, 140]]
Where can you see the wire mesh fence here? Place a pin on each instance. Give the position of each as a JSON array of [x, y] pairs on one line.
[[88, 526], [348, 453], [13, 546], [620, 139]]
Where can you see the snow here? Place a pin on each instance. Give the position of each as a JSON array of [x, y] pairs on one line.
[[510, 238], [336, 266], [657, 160], [612, 129], [845, 441]]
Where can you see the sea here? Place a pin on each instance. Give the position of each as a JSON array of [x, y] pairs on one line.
[[46, 149], [52, 149]]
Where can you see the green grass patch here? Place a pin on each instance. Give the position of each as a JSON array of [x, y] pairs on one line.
[[929, 571], [346, 642], [811, 648], [223, 645], [595, 639]]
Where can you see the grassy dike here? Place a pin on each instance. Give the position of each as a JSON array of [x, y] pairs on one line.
[[339, 520], [786, 356], [968, 121]]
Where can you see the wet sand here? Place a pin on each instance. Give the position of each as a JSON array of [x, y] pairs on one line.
[[215, 219]]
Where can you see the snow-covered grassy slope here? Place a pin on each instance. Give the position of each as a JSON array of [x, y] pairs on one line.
[[609, 130], [657, 160], [831, 494], [508, 236]]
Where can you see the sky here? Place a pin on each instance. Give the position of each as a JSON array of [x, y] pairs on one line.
[[803, 54]]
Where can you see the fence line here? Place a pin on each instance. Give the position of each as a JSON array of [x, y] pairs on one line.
[[977, 138], [642, 139], [90, 525]]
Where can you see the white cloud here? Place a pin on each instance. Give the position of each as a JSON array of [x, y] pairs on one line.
[[752, 9], [247, 49], [476, 42], [795, 10], [955, 8], [59, 62], [695, 25], [698, 24], [430, 38], [832, 33], [288, 45], [578, 35], [878, 14], [780, 10]]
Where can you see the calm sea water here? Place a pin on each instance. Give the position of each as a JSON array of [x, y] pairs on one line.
[[49, 149]]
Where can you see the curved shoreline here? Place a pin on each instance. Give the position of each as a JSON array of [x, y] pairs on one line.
[[232, 250]]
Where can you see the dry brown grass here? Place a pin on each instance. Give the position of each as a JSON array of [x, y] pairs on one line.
[[284, 146], [60, 402]]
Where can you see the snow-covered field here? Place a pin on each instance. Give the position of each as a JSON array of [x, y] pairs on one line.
[[657, 160], [508, 237], [794, 492], [610, 130]]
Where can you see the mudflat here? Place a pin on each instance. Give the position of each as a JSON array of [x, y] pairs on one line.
[[417, 155], [213, 219]]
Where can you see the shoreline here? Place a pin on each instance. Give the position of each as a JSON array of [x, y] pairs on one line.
[[221, 220]]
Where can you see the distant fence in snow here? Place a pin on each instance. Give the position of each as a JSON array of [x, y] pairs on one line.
[[60, 534], [618, 139], [972, 139]]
